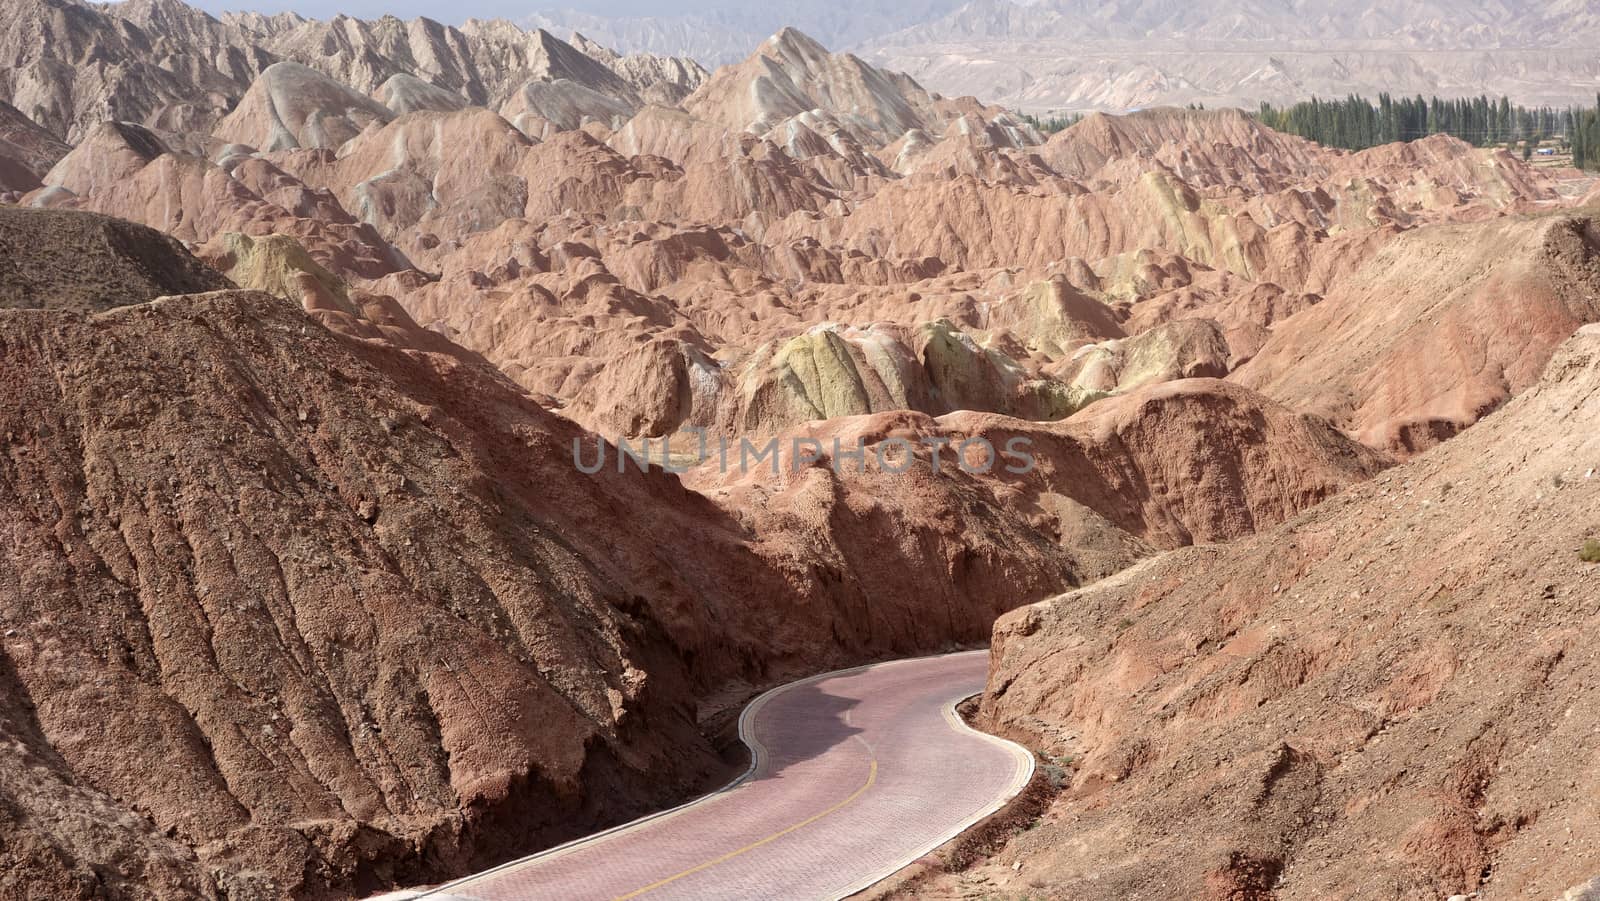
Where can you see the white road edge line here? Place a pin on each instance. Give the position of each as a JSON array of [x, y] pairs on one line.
[[1019, 781], [757, 752]]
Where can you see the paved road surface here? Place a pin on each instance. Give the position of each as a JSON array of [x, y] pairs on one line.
[[856, 774]]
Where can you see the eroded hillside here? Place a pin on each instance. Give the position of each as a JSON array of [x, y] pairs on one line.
[[314, 594], [1383, 697]]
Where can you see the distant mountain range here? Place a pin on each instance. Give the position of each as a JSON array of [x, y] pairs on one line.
[[717, 35], [1306, 24], [68, 66], [1078, 55]]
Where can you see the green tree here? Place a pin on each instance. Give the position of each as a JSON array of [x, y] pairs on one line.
[[1356, 123]]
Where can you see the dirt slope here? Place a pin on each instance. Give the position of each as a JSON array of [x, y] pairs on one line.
[[312, 599], [112, 262], [291, 591], [1438, 328], [27, 151], [303, 614], [1390, 696]]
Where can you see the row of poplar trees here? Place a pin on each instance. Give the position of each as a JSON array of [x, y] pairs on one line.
[[1356, 123]]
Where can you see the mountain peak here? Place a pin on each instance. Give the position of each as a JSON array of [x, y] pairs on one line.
[[791, 40]]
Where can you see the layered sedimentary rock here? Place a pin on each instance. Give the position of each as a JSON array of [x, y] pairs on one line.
[[1184, 349], [356, 612], [436, 656], [406, 93], [165, 65], [1152, 237], [320, 546], [81, 261], [427, 621], [294, 699], [68, 66], [1424, 339], [291, 106], [127, 170], [27, 151], [790, 75], [1331, 706]]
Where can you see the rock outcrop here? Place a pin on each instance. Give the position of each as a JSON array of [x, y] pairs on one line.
[[790, 74], [361, 619], [61, 260], [1331, 706], [935, 368], [292, 106], [125, 170], [1184, 349], [168, 66], [1424, 339], [27, 151], [316, 587], [663, 80], [791, 77], [405, 93], [68, 66]]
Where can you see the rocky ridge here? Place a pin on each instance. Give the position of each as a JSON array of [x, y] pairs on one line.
[[1332, 706], [1066, 54], [442, 261]]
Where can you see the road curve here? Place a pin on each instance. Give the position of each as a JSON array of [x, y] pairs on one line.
[[854, 775]]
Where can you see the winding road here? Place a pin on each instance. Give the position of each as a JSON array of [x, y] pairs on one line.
[[855, 774]]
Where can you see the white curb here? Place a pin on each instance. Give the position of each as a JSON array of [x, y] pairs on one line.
[[1025, 764]]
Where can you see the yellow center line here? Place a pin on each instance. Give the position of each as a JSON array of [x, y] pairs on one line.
[[872, 776]]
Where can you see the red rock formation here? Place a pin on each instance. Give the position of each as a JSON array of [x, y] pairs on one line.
[[1389, 696], [27, 151], [317, 555], [1188, 461], [290, 106], [125, 170], [361, 619], [1437, 329], [114, 263]]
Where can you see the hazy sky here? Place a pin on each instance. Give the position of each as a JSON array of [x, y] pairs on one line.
[[452, 13], [725, 30]]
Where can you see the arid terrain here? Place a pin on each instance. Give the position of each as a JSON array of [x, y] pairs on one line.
[[1044, 56], [1078, 55], [312, 331]]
